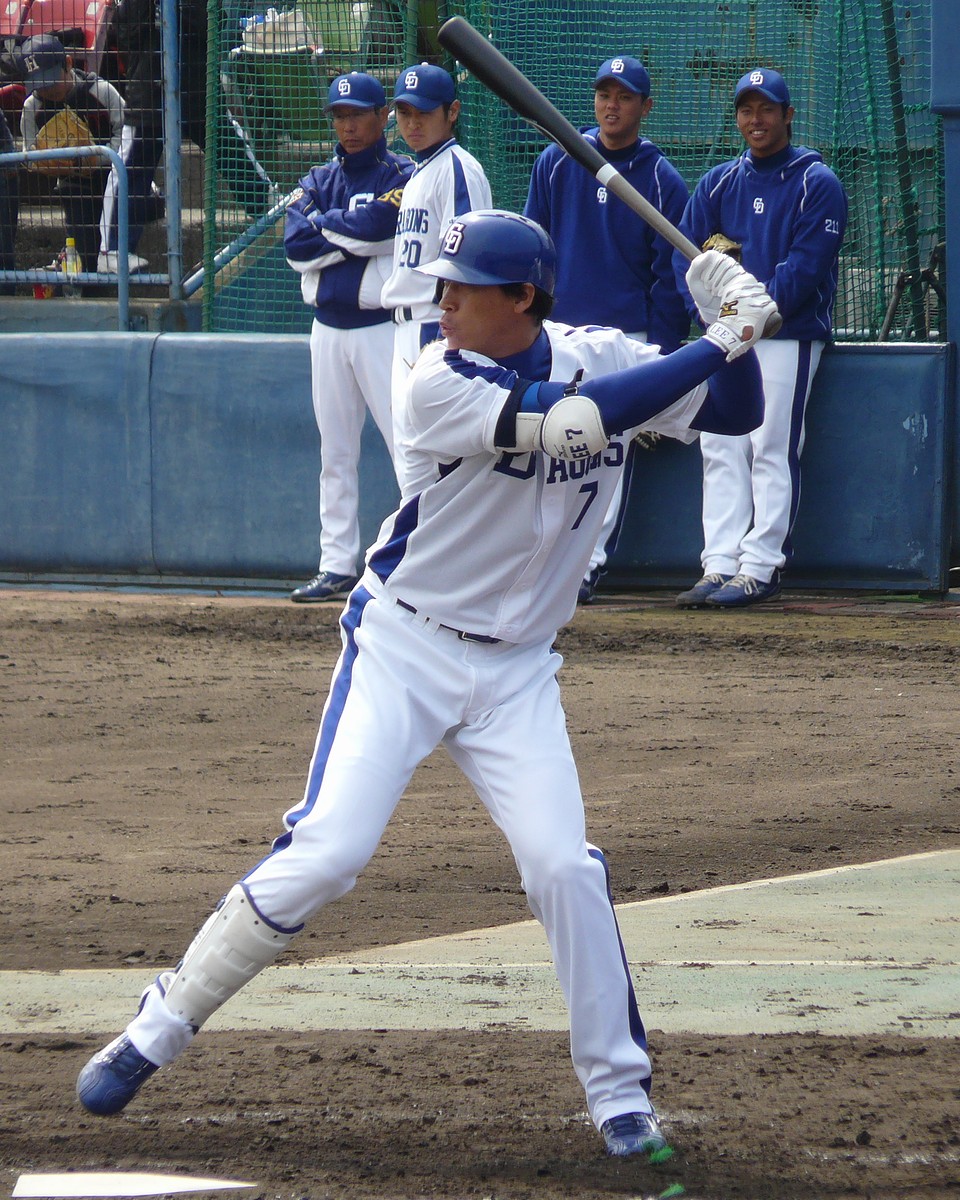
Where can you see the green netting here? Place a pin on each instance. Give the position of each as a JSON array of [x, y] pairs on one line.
[[859, 73]]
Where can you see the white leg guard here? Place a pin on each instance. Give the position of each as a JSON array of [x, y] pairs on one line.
[[235, 944]]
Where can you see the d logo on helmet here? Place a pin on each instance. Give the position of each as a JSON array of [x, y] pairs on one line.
[[453, 239]]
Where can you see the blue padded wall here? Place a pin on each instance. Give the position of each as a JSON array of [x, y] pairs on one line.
[[75, 452], [194, 456], [874, 509], [236, 458]]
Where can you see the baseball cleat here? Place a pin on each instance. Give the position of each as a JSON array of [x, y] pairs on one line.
[[325, 586], [634, 1133], [696, 596], [588, 588], [743, 590], [112, 1078]]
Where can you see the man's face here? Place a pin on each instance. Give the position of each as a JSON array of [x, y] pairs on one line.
[[358, 128], [763, 124], [619, 113], [483, 318], [420, 130], [57, 92]]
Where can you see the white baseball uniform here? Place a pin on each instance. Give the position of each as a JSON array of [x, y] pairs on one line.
[[446, 183], [448, 638]]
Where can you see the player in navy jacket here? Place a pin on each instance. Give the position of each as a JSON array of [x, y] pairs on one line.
[[339, 237], [788, 212], [614, 270]]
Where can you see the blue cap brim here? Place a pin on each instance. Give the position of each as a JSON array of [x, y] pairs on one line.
[[424, 105]]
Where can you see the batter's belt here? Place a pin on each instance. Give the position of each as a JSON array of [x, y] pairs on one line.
[[461, 633]]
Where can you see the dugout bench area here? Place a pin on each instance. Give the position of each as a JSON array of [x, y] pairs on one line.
[[178, 459]]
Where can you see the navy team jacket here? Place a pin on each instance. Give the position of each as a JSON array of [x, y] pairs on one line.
[[789, 212], [353, 198]]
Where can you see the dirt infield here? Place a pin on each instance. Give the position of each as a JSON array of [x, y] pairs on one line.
[[149, 744]]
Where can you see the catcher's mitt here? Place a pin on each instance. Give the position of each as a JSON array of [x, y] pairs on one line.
[[66, 128], [720, 241], [647, 439]]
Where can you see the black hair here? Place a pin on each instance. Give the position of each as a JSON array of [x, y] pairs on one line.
[[541, 306]]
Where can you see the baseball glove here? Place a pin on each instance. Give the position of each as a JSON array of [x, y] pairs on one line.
[[720, 241], [647, 439], [64, 129]]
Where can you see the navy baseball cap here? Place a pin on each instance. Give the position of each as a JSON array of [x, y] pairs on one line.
[[627, 71], [358, 90], [42, 61], [767, 82], [425, 87]]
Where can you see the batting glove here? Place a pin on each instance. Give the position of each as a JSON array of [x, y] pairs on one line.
[[707, 277], [745, 311]]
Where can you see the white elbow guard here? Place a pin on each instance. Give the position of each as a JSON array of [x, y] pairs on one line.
[[572, 429]]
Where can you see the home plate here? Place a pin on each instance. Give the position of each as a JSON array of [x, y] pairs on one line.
[[118, 1183]]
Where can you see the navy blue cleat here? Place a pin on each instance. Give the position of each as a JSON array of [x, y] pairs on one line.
[[325, 586], [588, 586], [696, 597], [112, 1078], [635, 1133], [742, 590]]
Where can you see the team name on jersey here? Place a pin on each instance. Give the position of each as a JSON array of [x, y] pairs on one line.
[[414, 220], [524, 466]]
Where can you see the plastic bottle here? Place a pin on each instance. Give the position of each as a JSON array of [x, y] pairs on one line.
[[71, 267]]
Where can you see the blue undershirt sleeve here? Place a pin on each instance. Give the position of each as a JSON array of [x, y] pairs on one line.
[[628, 398]]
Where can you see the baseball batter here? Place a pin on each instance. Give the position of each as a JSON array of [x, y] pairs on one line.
[[339, 237], [614, 270], [448, 638], [787, 211], [446, 183]]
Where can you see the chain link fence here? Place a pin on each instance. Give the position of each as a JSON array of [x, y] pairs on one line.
[[253, 77]]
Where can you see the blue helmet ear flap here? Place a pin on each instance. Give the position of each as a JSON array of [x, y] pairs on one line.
[[493, 246]]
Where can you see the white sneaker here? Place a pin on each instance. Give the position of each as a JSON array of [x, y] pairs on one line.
[[108, 262]]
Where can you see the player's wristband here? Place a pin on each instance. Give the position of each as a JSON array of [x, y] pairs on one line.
[[725, 339]]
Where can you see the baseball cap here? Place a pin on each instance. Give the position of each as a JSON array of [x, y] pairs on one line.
[[627, 71], [767, 82], [425, 87], [358, 90], [42, 61]]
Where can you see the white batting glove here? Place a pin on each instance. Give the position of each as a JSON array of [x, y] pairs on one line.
[[707, 277], [745, 311]]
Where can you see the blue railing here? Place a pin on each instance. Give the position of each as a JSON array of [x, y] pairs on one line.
[[123, 230]]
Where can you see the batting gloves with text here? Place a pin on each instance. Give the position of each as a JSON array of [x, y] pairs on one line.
[[745, 311], [707, 277]]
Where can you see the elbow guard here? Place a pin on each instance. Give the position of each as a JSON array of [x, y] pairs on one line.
[[572, 429]]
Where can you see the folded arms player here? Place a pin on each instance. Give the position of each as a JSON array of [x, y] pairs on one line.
[[518, 429]]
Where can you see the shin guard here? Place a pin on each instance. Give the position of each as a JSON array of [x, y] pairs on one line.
[[235, 944]]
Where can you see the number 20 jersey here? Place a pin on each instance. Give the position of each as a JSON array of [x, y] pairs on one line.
[[444, 185]]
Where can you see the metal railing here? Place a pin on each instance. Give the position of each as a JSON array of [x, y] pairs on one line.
[[102, 278]]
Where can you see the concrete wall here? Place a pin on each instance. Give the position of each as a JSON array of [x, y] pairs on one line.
[[186, 457]]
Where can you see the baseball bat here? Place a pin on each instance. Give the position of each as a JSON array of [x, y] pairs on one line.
[[497, 73]]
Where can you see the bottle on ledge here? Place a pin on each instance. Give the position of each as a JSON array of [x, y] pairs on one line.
[[71, 267]]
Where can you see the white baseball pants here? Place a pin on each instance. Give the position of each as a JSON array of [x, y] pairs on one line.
[[402, 686], [751, 483], [350, 372]]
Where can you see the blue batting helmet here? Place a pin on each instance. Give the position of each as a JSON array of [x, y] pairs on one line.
[[490, 246]]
